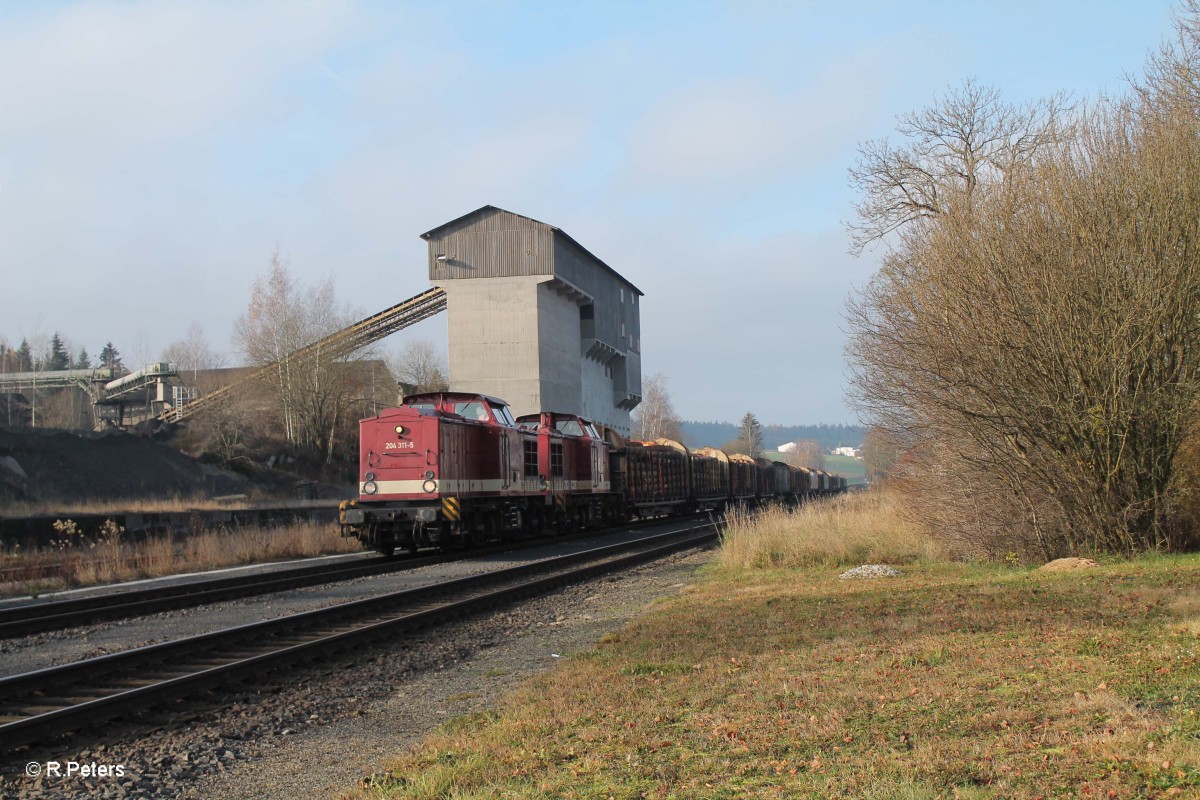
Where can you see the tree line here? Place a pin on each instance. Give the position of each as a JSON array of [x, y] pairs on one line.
[[307, 410], [655, 417], [1029, 350], [55, 356]]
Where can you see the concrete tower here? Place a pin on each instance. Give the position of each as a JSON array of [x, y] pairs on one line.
[[536, 319]]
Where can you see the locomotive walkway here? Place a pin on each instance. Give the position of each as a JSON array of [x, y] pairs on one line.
[[81, 695]]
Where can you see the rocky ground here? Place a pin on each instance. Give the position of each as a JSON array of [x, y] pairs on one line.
[[326, 730]]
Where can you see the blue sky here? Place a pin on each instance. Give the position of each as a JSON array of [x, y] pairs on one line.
[[153, 155]]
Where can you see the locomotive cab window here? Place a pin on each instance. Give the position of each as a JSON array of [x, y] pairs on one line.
[[424, 408], [504, 416], [472, 410], [570, 427]]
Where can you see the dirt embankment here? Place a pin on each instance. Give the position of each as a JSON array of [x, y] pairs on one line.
[[48, 466]]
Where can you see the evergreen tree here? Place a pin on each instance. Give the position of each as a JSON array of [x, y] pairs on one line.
[[109, 357], [24, 361], [751, 433], [58, 358], [83, 360]]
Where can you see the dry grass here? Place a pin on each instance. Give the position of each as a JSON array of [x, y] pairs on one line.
[[952, 681], [856, 528], [113, 559], [55, 508]]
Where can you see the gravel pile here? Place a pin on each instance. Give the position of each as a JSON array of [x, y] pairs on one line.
[[869, 572], [329, 727]]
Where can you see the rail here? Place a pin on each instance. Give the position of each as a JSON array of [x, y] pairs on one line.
[[83, 694]]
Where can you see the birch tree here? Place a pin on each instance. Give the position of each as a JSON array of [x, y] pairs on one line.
[[420, 367], [655, 416], [283, 316]]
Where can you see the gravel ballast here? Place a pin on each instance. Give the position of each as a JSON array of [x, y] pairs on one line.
[[326, 730], [38, 651]]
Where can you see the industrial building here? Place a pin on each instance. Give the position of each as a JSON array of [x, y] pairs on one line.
[[552, 328]]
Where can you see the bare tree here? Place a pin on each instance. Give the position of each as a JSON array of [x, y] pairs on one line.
[[881, 450], [805, 453], [421, 367], [1172, 78], [193, 353], [282, 317], [655, 416], [1038, 346], [969, 137]]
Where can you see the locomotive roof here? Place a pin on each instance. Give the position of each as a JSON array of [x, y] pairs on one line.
[[455, 395]]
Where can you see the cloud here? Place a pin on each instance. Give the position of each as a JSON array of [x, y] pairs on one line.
[[125, 74], [746, 129]]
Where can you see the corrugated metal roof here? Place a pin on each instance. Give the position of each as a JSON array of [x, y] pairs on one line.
[[434, 231]]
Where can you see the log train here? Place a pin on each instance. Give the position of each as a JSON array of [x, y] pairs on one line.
[[453, 470]]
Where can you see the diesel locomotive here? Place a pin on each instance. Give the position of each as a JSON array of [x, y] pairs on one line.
[[453, 469]]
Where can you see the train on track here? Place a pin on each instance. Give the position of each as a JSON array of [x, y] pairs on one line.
[[453, 470]]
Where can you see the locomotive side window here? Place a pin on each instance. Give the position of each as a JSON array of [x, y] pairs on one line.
[[556, 459], [591, 431], [502, 414], [531, 458]]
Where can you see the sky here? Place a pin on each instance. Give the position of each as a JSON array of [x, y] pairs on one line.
[[153, 156]]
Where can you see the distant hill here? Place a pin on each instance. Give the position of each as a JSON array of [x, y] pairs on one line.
[[715, 434]]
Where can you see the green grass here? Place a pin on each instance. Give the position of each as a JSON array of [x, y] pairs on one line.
[[852, 469], [951, 681]]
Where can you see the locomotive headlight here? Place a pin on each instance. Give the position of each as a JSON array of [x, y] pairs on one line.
[[370, 487], [429, 486], [370, 476], [399, 429], [428, 473]]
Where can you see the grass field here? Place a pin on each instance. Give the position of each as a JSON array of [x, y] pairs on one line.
[[952, 681]]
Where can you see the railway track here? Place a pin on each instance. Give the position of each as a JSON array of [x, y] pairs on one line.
[[31, 618], [35, 706]]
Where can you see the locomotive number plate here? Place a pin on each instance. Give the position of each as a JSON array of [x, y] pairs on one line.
[[399, 445]]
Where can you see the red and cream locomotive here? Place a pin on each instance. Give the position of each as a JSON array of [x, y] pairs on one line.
[[453, 469]]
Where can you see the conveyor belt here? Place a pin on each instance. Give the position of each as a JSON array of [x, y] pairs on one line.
[[335, 345]]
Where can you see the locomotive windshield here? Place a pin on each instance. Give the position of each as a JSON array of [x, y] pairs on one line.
[[570, 427], [472, 410]]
